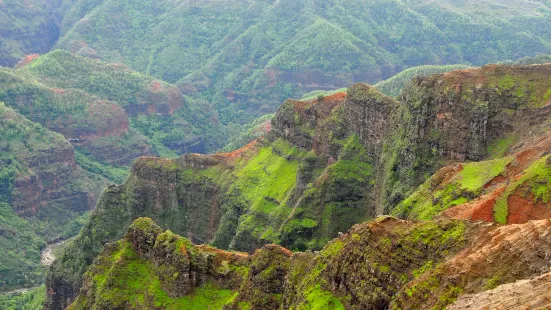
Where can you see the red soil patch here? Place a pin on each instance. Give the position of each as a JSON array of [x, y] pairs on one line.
[[59, 91], [237, 153], [183, 250], [222, 255], [27, 60], [497, 180], [335, 97], [481, 209], [156, 87], [322, 108], [522, 210]]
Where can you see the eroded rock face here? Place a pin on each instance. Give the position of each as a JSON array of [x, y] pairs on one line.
[[533, 293], [508, 190], [47, 173], [384, 264], [458, 116]]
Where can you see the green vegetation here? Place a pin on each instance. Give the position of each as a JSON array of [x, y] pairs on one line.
[[114, 174], [248, 133], [475, 175], [320, 94], [528, 60], [265, 183], [24, 229], [126, 277], [536, 179], [394, 85], [285, 48], [499, 148], [31, 300], [20, 255], [319, 299], [83, 90], [28, 28], [333, 201], [433, 197]]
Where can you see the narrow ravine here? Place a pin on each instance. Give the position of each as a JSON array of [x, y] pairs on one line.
[[47, 257]]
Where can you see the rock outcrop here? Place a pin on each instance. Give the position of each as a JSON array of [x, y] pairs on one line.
[[386, 264], [533, 293]]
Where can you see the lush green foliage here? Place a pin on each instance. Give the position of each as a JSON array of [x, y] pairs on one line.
[[539, 59], [26, 28], [20, 255], [132, 278], [242, 55], [320, 94], [23, 145], [31, 300], [115, 174]]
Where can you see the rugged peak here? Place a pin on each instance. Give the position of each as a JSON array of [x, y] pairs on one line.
[[321, 124], [142, 234], [367, 94]]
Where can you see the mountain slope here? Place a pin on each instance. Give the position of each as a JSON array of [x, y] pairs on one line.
[[104, 116], [249, 55], [70, 94], [27, 27]]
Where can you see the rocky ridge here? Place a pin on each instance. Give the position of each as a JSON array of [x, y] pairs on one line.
[[385, 264]]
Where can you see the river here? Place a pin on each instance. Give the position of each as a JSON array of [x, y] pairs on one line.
[[47, 257]]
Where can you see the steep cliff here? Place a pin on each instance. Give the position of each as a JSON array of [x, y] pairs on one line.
[[332, 162], [465, 115], [300, 186], [380, 265]]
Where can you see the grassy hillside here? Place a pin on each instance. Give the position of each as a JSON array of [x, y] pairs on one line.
[[31, 300], [250, 55]]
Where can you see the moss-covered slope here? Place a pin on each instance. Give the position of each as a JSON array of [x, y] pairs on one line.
[[384, 264]]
